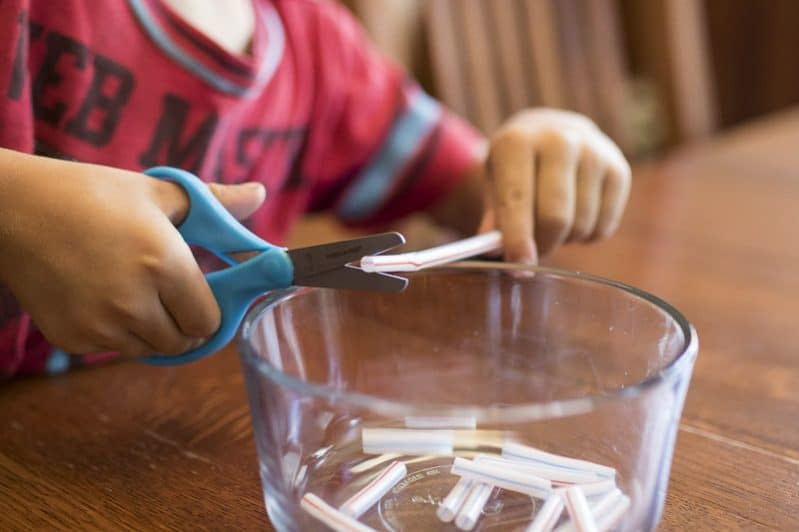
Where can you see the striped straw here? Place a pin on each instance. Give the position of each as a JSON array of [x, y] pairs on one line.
[[325, 513], [517, 451], [407, 441], [557, 475], [367, 497], [579, 511], [548, 515], [417, 260], [517, 481], [470, 511], [452, 503]]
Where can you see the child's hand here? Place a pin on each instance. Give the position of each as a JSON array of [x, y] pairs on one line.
[[553, 177], [92, 254]]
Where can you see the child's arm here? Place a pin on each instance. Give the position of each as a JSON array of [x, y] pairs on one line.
[[546, 177], [91, 253], [380, 149]]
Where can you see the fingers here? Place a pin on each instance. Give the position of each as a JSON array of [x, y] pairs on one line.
[[156, 332], [615, 191], [555, 194], [241, 200], [185, 294], [590, 174], [511, 169]]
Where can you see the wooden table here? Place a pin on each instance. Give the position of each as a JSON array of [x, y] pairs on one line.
[[713, 230]]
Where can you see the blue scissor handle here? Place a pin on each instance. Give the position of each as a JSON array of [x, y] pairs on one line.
[[209, 225]]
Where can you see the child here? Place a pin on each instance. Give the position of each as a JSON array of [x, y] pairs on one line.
[[276, 99]]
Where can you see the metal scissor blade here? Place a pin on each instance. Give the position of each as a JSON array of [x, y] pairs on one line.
[[353, 278], [314, 260]]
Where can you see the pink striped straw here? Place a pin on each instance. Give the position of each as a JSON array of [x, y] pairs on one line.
[[548, 515], [368, 496], [452, 503], [471, 510], [417, 260], [610, 519], [579, 511], [325, 513]]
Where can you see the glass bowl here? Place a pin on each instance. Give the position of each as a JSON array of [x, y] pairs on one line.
[[477, 362]]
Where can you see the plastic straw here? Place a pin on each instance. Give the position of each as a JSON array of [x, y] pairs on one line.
[[610, 519], [556, 474], [338, 521], [548, 515], [436, 422], [366, 465], [598, 488], [524, 452], [470, 511], [407, 441], [602, 508], [417, 260], [452, 503], [503, 478], [367, 497], [579, 511]]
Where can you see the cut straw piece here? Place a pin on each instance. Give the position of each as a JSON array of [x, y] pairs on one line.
[[338, 521], [519, 451], [366, 465], [579, 511], [470, 512], [368, 496], [452, 503], [598, 488], [417, 260], [558, 475], [517, 481], [437, 422], [611, 519], [407, 441], [602, 507], [547, 515]]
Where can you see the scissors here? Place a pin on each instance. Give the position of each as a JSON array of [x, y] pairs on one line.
[[209, 225]]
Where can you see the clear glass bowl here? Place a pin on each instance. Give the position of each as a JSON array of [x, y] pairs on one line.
[[564, 362]]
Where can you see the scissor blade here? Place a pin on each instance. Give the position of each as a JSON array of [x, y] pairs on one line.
[[314, 260], [354, 278]]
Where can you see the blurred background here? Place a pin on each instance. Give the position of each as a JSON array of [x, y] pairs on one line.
[[656, 75]]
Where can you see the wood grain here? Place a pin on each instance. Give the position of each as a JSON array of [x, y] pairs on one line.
[[712, 230]]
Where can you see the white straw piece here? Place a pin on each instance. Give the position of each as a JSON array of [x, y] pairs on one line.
[[611, 519], [338, 521], [598, 510], [598, 488], [436, 422], [470, 512], [407, 441], [517, 481], [579, 511], [368, 496], [452, 503], [366, 465], [417, 260], [557, 475], [518, 451], [547, 515]]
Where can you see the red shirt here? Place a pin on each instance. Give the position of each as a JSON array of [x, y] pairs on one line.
[[314, 113]]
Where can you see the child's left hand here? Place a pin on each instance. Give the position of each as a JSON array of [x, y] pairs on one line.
[[552, 177], [549, 177]]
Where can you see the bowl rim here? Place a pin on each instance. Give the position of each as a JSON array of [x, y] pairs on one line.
[[530, 411]]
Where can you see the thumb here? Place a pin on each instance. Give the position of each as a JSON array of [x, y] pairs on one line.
[[241, 200]]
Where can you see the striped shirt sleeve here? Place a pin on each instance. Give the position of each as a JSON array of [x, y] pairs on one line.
[[380, 147]]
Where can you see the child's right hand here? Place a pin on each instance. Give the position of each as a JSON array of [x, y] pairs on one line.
[[92, 254]]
